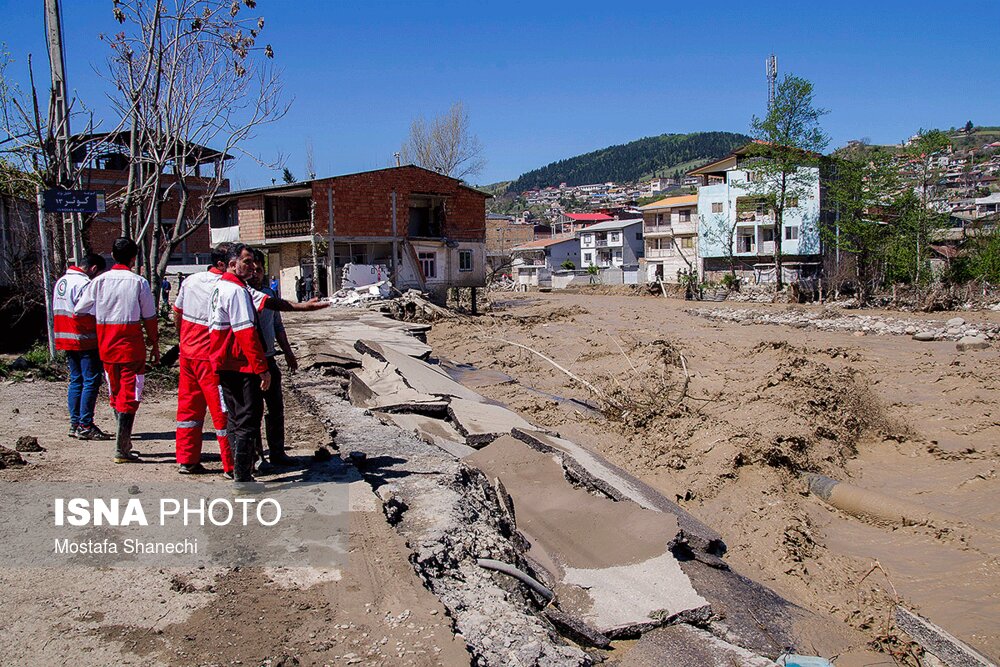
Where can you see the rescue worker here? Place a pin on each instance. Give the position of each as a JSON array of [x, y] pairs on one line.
[[123, 306], [76, 335], [272, 329], [198, 385], [198, 388], [237, 355]]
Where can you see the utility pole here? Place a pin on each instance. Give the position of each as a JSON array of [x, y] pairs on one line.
[[60, 113], [46, 273]]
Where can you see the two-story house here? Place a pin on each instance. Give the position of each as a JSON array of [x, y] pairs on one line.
[[736, 228], [613, 243], [535, 261], [670, 231], [429, 230]]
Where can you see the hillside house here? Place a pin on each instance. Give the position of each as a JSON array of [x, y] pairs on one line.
[[670, 233], [615, 243], [727, 209], [567, 223], [535, 261], [428, 229]]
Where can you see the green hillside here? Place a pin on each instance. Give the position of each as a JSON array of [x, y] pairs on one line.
[[634, 161]]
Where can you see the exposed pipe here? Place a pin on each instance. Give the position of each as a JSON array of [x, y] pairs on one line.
[[862, 502], [523, 577]]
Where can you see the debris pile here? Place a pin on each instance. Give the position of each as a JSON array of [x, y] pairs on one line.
[[829, 319], [359, 296]]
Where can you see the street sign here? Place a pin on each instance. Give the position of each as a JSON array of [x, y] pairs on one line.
[[73, 201]]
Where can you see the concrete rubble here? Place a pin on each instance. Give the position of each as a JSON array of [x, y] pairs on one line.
[[955, 329], [464, 478]]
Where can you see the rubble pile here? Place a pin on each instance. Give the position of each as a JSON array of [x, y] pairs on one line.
[[954, 329]]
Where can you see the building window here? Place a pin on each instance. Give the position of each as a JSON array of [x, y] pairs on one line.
[[767, 234], [791, 233], [638, 236], [464, 260], [428, 264], [685, 216], [614, 237], [744, 243], [588, 258], [687, 242], [717, 207], [588, 239]]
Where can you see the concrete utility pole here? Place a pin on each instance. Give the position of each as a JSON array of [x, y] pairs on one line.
[[60, 112], [771, 64], [43, 236]]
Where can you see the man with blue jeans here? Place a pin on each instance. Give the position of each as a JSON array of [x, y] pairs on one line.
[[76, 336]]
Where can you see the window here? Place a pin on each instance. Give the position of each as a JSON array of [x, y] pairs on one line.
[[464, 260], [767, 234], [744, 243], [791, 233], [638, 236], [614, 237], [428, 264], [717, 207], [588, 258], [588, 239], [685, 216], [659, 218], [687, 242], [750, 177], [792, 202]]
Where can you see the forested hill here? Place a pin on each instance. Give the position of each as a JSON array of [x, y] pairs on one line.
[[637, 160]]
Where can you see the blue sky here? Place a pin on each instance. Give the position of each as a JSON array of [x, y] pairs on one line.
[[547, 80]]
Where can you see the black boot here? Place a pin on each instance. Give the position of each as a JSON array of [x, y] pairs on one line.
[[123, 444], [274, 428], [243, 456]]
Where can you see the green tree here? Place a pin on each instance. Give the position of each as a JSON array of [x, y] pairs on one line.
[[922, 154], [287, 176], [863, 191], [969, 127], [784, 157]]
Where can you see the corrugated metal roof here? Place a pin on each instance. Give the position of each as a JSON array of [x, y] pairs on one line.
[[610, 225], [545, 243], [670, 202]]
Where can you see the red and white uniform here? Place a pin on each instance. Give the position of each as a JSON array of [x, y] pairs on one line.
[[122, 304], [73, 332], [198, 388], [234, 341]]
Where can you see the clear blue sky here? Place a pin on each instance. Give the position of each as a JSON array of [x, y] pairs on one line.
[[546, 80]]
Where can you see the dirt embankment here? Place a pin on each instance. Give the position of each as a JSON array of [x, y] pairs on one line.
[[761, 403]]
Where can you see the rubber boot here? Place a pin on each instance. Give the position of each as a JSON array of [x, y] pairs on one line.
[[123, 443], [274, 428], [243, 456]]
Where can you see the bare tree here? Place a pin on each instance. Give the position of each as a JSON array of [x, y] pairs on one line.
[[446, 145], [193, 87]]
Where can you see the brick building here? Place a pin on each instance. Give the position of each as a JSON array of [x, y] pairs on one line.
[[428, 229], [106, 170]]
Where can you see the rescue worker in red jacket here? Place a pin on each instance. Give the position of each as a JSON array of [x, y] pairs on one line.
[[122, 304], [237, 355], [198, 388], [76, 335]]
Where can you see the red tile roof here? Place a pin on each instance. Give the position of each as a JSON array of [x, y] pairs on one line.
[[588, 217]]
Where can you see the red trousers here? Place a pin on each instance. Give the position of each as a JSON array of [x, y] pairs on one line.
[[199, 388], [125, 383]]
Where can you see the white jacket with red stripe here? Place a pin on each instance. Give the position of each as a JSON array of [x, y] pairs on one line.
[[122, 303], [234, 341], [72, 332]]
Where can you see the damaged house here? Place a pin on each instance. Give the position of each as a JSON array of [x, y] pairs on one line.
[[427, 229]]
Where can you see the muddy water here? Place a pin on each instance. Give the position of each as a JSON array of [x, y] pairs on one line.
[[943, 451]]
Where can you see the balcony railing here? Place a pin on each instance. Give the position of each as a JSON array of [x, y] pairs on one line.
[[601, 243], [659, 253], [765, 248], [287, 229], [663, 228]]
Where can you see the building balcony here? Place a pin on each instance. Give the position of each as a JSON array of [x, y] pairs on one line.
[[657, 230], [659, 253], [287, 229], [601, 243], [765, 248], [686, 226]]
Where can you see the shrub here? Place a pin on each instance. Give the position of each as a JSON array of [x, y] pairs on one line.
[[568, 265]]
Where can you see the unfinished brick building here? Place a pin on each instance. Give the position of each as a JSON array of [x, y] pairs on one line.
[[428, 229]]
